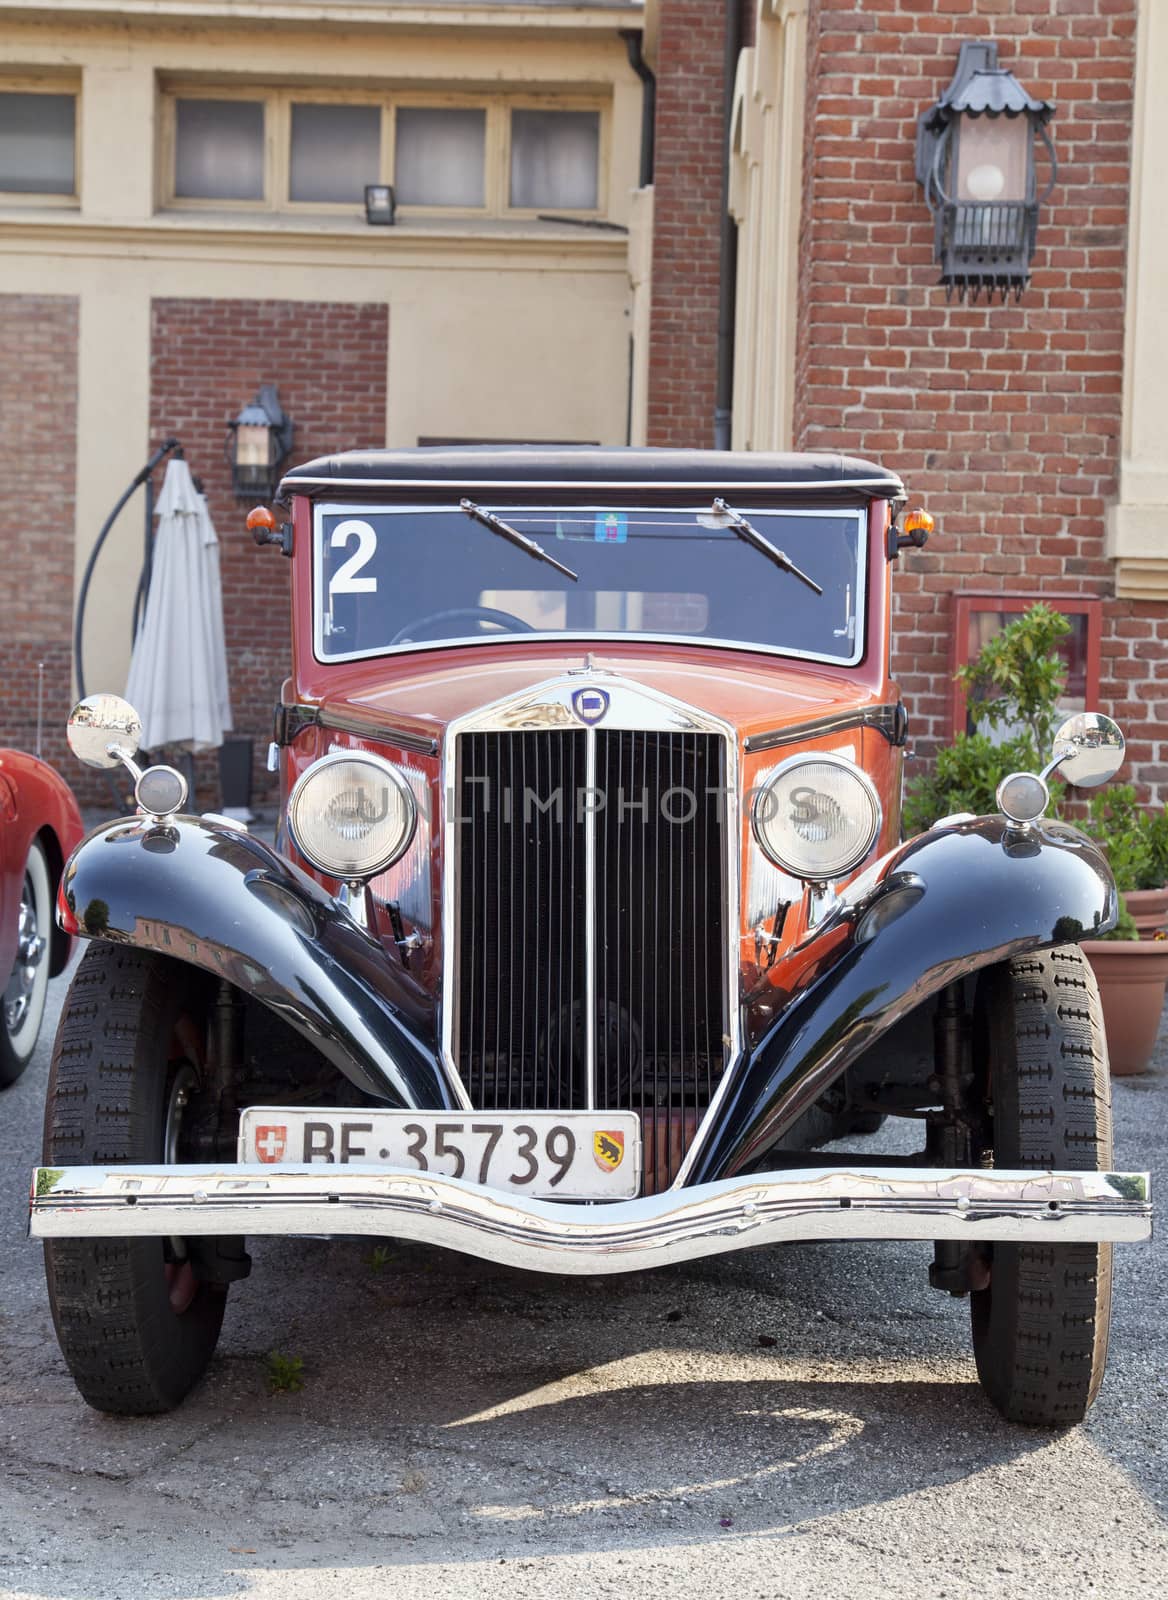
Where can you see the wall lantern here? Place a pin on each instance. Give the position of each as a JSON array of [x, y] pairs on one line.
[[258, 441], [975, 161], [380, 204]]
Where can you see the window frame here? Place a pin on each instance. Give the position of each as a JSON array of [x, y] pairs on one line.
[[48, 83], [168, 149], [970, 602], [568, 102], [278, 100]]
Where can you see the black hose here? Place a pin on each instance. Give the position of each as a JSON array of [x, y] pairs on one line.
[[87, 577]]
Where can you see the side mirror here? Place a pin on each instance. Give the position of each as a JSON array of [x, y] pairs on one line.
[[1088, 750], [104, 730]]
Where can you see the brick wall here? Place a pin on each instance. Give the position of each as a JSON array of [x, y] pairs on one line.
[[687, 207], [38, 431], [1004, 420], [329, 362]]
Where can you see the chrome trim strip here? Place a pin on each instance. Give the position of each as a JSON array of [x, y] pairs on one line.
[[304, 715], [882, 718], [679, 1225], [590, 922], [382, 732], [559, 637]]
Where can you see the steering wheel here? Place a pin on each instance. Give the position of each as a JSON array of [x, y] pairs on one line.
[[485, 616]]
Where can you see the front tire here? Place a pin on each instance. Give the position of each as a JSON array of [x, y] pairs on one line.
[[1040, 1328], [135, 1324], [22, 1006]]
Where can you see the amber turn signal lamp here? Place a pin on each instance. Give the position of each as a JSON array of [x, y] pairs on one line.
[[911, 533], [264, 529]]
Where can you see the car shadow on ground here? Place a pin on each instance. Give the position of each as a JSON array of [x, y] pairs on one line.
[[453, 1411]]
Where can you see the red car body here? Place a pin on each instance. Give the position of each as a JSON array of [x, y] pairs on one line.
[[35, 804]]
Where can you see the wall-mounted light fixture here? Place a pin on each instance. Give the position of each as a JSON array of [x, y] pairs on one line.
[[380, 204], [975, 159], [258, 442]]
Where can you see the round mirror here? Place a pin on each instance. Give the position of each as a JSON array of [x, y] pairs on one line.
[[1088, 749], [102, 729]]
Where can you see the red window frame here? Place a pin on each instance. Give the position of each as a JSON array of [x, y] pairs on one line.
[[967, 603]]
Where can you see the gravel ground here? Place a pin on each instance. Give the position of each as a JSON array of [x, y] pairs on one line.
[[800, 1421]]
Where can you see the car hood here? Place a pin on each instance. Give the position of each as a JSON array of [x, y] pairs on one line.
[[755, 694]]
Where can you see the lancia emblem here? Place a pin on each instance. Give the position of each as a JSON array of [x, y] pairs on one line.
[[589, 705], [271, 1141], [608, 1148]]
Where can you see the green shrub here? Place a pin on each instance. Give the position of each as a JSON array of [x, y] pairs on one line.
[[1132, 837], [1014, 684], [1018, 677]]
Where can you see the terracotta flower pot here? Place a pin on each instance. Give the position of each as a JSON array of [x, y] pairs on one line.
[[1149, 909], [1132, 975]]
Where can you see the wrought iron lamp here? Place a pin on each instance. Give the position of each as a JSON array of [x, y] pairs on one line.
[[258, 442], [975, 159]]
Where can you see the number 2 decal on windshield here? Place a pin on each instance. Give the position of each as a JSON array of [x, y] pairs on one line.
[[345, 580]]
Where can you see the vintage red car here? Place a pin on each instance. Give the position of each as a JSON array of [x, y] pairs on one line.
[[588, 922], [39, 827]]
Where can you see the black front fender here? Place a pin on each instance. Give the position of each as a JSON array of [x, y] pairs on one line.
[[944, 905], [216, 898]]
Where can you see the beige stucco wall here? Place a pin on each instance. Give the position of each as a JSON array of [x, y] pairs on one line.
[[1137, 526], [766, 187], [497, 328]]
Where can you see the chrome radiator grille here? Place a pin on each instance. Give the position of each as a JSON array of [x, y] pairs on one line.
[[591, 926]]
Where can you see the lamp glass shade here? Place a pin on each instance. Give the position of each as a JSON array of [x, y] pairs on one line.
[[253, 445], [993, 155]]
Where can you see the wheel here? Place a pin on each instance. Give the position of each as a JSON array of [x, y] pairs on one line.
[[1040, 1327], [24, 995], [136, 1321]]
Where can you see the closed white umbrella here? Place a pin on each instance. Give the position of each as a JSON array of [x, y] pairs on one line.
[[178, 671]]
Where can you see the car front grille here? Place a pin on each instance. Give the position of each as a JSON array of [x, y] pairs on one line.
[[591, 926]]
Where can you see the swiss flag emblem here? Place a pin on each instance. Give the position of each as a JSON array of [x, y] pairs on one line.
[[271, 1141]]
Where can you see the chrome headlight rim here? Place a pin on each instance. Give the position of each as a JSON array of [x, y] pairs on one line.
[[808, 758], [388, 770], [1018, 814]]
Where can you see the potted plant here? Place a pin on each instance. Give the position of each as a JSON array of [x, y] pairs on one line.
[[1015, 684], [1148, 903], [1132, 974]]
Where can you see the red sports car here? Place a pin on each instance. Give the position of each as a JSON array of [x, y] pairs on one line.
[[39, 827]]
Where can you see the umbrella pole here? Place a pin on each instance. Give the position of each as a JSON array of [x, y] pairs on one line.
[[87, 577]]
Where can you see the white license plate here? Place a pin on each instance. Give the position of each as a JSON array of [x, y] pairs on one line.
[[562, 1155]]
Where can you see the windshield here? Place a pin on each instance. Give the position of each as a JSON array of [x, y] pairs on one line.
[[412, 578]]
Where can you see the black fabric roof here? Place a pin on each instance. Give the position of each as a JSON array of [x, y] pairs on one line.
[[514, 465]]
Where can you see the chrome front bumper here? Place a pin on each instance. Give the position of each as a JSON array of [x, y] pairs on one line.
[[545, 1236]]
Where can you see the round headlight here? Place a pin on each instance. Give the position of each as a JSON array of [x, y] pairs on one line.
[[351, 815], [161, 791], [1022, 796], [817, 817]]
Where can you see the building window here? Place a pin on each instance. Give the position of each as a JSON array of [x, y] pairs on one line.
[[291, 149], [555, 158], [38, 143], [219, 150], [335, 152], [977, 617], [440, 156]]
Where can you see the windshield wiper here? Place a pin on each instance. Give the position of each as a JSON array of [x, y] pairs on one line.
[[506, 531], [752, 536]]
